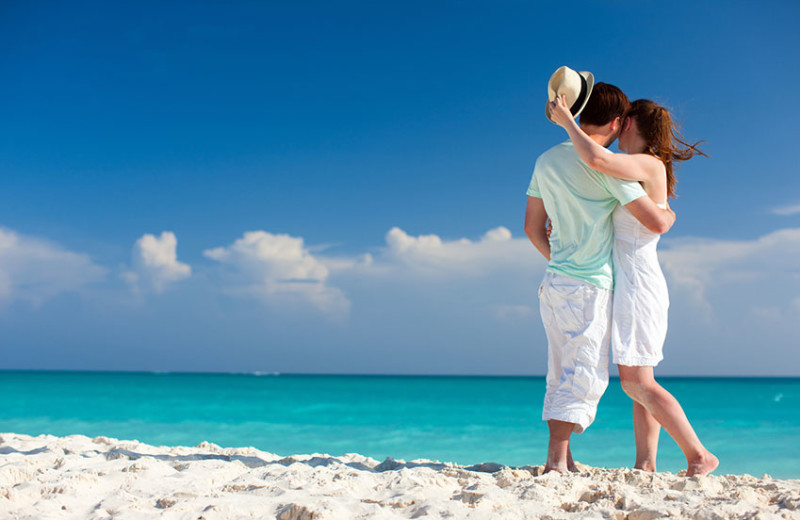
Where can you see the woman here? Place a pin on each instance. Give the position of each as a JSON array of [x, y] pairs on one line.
[[652, 145]]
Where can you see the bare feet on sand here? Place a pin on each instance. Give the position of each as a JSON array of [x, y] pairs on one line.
[[570, 467], [560, 467], [703, 464], [646, 466], [571, 463]]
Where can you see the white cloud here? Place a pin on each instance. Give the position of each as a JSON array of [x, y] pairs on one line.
[[727, 296], [733, 305], [786, 211], [425, 289], [155, 262], [699, 265], [279, 269], [464, 305], [429, 255], [514, 313], [34, 270]]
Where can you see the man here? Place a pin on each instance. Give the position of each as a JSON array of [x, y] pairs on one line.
[[575, 295]]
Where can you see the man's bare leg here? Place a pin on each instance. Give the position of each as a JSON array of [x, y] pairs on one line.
[[558, 447], [646, 430], [641, 386]]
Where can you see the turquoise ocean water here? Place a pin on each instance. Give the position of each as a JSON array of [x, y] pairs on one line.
[[753, 425]]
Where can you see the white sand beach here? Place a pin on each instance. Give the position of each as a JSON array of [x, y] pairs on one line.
[[77, 477]]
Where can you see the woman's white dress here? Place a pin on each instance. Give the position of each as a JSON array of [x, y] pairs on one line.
[[641, 298]]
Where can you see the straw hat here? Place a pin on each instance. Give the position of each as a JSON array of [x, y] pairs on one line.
[[576, 85]]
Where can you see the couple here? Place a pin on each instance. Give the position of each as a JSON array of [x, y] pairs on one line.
[[605, 205]]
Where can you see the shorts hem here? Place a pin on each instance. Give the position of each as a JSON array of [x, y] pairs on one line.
[[581, 420], [638, 361]]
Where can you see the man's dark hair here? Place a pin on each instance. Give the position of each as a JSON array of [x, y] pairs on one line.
[[605, 103]]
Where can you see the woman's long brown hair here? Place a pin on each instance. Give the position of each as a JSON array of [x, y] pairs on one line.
[[662, 136]]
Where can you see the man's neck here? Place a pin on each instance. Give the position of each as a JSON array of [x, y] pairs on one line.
[[598, 135]]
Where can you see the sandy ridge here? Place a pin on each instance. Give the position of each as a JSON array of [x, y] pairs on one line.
[[76, 477]]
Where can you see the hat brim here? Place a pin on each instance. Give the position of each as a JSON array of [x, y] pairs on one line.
[[589, 78]]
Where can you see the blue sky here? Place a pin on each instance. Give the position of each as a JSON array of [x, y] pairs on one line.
[[340, 136]]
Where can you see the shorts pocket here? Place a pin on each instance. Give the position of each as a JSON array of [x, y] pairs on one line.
[[569, 302]]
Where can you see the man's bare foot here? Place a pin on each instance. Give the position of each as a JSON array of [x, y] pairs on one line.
[[571, 463], [557, 469], [646, 466], [703, 464]]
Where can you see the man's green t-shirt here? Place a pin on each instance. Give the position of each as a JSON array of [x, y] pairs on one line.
[[579, 202]]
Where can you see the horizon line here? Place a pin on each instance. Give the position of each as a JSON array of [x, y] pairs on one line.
[[257, 373]]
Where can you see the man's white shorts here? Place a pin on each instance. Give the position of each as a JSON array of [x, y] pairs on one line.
[[577, 320]]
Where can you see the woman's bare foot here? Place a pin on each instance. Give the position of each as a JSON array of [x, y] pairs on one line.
[[646, 466], [703, 464]]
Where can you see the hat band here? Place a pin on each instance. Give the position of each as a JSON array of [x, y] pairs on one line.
[[581, 97]]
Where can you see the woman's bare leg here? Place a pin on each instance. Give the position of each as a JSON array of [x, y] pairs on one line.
[[646, 430], [641, 386]]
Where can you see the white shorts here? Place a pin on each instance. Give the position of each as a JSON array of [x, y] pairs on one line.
[[577, 320]]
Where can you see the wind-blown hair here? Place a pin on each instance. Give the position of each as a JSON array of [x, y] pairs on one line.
[[662, 137]]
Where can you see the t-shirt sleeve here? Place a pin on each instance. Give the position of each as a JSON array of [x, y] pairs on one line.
[[533, 187], [624, 191]]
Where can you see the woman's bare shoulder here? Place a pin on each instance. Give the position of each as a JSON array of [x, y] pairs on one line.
[[651, 164]]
